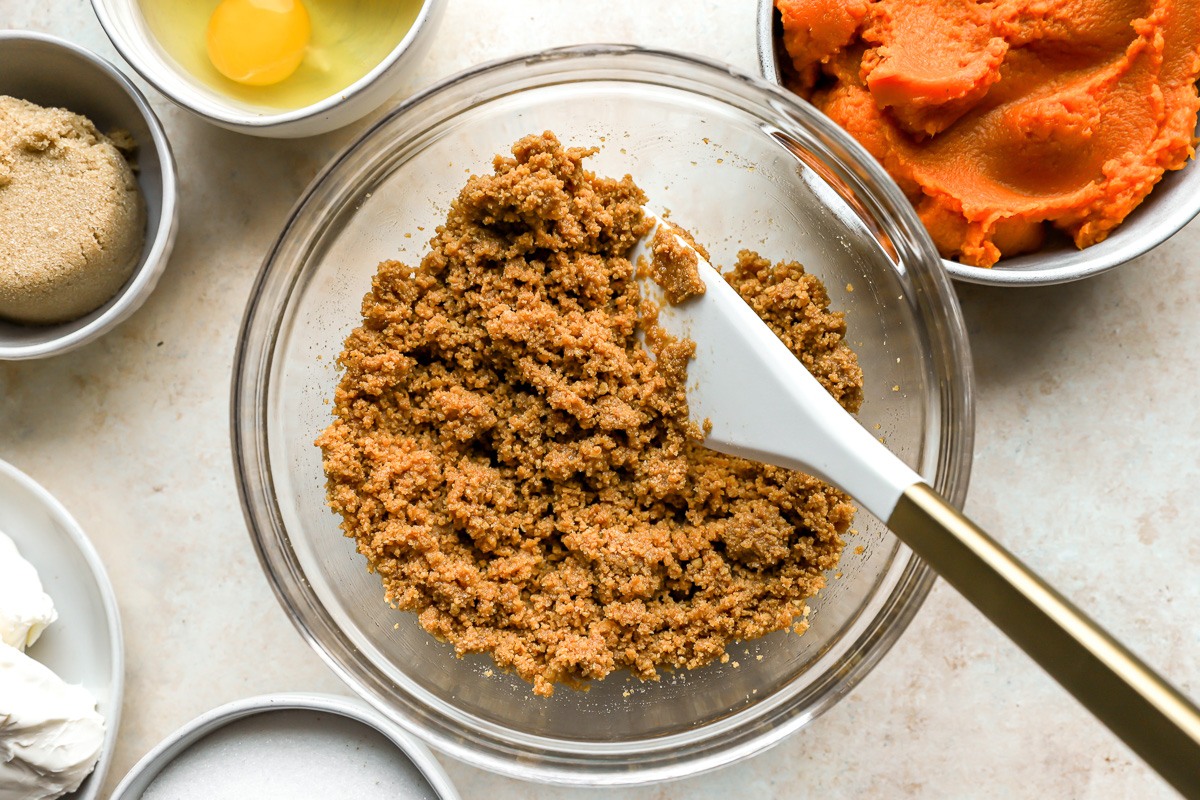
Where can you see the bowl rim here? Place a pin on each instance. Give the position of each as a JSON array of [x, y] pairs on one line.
[[151, 765], [159, 242], [216, 112], [112, 720], [1100, 259], [264, 522]]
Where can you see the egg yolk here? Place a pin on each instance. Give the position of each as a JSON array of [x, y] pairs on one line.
[[258, 42]]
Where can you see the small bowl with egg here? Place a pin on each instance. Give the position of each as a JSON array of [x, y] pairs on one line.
[[1049, 142], [273, 68], [88, 196]]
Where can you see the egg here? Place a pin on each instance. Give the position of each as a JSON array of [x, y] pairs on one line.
[[311, 52], [258, 42]]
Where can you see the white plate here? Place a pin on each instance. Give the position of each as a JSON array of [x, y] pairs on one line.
[[84, 646], [288, 746]]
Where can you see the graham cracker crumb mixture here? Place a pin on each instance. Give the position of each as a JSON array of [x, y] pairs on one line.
[[519, 469], [675, 266]]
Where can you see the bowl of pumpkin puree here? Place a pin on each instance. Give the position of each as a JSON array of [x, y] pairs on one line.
[[1040, 141]]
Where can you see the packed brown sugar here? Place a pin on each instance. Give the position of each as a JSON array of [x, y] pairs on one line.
[[1004, 119], [519, 469]]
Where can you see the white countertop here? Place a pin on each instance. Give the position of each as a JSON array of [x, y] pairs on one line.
[[1085, 465]]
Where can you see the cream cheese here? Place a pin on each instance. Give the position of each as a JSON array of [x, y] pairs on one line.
[[25, 610], [50, 733]]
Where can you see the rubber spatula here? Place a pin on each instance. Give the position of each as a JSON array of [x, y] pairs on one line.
[[762, 404]]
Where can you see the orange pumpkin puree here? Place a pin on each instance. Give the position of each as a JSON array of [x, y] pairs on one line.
[[1000, 118]]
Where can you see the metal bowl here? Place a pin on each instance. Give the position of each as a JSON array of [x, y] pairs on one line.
[[51, 72], [331, 746], [1174, 202]]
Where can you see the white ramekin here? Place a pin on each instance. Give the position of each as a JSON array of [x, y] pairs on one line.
[[123, 22]]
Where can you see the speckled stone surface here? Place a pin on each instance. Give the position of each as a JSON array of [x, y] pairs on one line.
[[1085, 465]]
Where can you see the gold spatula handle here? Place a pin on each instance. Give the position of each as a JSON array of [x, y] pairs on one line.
[[1151, 716]]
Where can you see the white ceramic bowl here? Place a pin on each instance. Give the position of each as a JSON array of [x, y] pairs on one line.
[[1174, 202], [51, 72], [84, 645], [123, 22]]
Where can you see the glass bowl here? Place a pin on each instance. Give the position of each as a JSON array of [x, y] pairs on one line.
[[741, 164]]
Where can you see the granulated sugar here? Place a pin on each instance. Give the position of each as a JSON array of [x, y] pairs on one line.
[[291, 754]]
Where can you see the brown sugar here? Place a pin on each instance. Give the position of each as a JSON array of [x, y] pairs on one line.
[[72, 217], [519, 469]]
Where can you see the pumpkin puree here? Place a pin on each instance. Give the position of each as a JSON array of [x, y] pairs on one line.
[[999, 118]]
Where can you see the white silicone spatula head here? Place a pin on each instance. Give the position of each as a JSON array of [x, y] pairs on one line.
[[758, 401], [762, 404]]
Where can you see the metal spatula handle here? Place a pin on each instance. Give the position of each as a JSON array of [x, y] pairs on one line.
[[1148, 714], [759, 402]]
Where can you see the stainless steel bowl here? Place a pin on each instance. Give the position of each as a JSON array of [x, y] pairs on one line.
[[246, 746], [1171, 206]]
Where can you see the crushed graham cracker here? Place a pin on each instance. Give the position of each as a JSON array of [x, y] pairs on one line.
[[519, 469]]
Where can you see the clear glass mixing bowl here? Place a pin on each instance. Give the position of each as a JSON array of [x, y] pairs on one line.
[[742, 164]]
